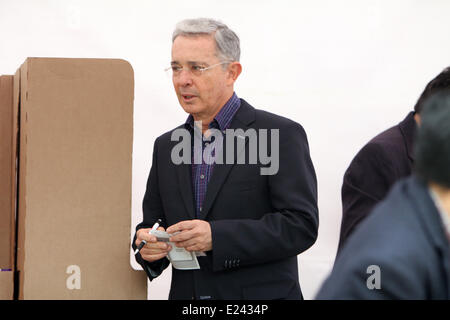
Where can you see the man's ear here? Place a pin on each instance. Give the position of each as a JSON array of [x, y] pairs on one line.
[[234, 70]]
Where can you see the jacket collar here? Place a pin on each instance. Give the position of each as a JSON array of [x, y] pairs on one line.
[[408, 128], [431, 221]]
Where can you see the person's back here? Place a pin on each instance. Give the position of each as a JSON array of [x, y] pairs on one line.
[[402, 250], [377, 166], [380, 163]]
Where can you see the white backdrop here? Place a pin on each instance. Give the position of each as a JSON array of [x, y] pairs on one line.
[[345, 70]]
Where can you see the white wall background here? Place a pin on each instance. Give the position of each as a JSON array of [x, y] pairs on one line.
[[345, 70]]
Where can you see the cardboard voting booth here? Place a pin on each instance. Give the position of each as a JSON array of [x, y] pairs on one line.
[[74, 180]]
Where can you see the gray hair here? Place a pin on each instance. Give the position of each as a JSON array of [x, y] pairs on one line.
[[227, 42]]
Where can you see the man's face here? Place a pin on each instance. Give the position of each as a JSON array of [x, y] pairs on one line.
[[200, 95]]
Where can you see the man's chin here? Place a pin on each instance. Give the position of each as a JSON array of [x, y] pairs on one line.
[[190, 108]]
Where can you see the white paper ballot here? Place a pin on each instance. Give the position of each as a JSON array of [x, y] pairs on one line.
[[180, 258]]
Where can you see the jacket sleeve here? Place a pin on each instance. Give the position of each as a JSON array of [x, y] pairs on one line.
[[290, 228], [366, 182], [152, 211]]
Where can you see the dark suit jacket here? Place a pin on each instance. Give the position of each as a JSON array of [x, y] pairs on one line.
[[405, 237], [378, 165], [259, 223]]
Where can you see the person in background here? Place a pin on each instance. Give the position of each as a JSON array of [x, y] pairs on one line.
[[401, 251], [381, 162]]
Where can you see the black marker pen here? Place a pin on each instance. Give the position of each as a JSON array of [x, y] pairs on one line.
[[142, 244]]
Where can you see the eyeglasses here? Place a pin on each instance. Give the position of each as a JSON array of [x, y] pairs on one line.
[[194, 69]]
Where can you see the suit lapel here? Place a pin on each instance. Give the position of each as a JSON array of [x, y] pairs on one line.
[[432, 223], [408, 128], [244, 116]]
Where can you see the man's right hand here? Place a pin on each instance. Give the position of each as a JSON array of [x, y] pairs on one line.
[[154, 249]]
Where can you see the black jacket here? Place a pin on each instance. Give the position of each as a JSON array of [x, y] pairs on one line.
[[378, 165], [259, 223]]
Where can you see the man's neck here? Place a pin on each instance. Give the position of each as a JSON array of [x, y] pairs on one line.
[[206, 119], [417, 119]]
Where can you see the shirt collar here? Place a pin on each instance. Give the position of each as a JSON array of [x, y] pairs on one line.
[[224, 117]]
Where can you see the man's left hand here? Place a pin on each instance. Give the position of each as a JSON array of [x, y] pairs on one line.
[[195, 235]]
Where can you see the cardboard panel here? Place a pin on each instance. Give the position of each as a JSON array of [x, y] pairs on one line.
[[8, 140], [6, 285], [75, 180], [7, 173]]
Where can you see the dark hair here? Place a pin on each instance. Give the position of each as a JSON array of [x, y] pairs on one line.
[[432, 149], [441, 81]]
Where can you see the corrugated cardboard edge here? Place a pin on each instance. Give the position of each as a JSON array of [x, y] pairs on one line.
[[15, 159], [16, 148], [20, 93]]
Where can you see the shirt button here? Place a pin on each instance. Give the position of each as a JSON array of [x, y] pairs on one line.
[[202, 176], [201, 209]]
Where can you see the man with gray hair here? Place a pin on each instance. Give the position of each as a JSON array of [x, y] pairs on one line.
[[246, 224]]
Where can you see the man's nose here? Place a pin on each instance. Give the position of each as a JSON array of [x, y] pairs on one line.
[[184, 78]]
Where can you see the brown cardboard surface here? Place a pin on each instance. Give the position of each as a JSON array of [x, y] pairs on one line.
[[7, 172], [75, 180], [6, 285]]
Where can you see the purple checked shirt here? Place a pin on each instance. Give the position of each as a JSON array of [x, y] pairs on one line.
[[202, 172]]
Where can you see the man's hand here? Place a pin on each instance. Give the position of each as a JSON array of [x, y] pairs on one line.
[[154, 249], [195, 235]]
